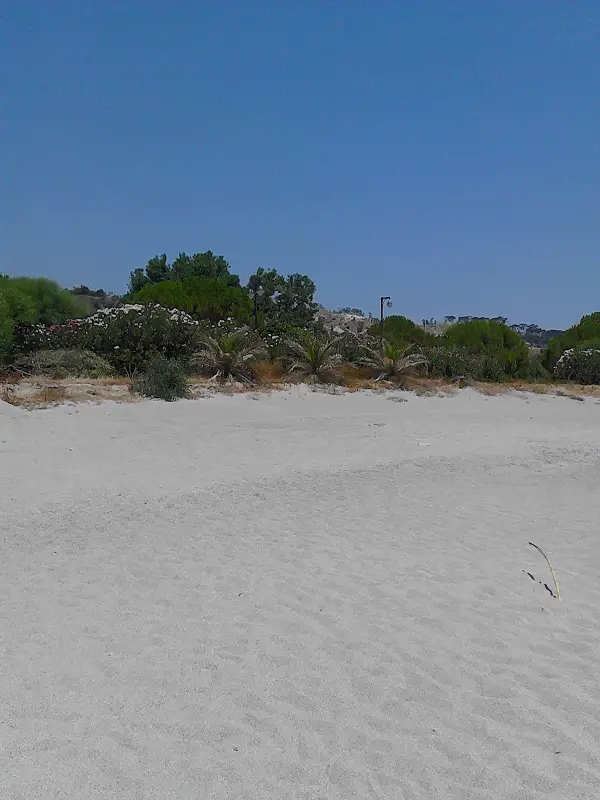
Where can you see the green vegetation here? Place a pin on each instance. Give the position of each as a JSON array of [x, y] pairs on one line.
[[314, 358], [281, 300], [30, 301], [162, 378], [583, 336], [393, 362], [493, 340], [401, 331], [195, 313], [199, 265], [456, 362], [579, 365], [209, 299], [229, 357]]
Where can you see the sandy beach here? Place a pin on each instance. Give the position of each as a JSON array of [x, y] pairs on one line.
[[299, 596]]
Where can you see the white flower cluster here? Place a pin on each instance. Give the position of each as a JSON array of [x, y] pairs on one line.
[[566, 356], [104, 315]]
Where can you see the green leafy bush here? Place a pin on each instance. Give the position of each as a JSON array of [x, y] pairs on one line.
[[7, 325], [582, 335], [401, 330], [581, 366], [162, 378], [26, 302], [454, 362], [39, 300], [536, 371], [212, 299], [492, 339]]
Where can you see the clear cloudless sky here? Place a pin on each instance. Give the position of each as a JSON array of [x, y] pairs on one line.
[[443, 152]]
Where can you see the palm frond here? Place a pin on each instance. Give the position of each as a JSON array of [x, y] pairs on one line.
[[392, 360], [229, 357]]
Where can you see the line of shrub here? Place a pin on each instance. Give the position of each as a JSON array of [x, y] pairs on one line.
[[38, 319]]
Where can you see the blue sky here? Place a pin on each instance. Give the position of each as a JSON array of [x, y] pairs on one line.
[[445, 153]]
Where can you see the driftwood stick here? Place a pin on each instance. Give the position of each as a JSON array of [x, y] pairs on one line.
[[551, 568]]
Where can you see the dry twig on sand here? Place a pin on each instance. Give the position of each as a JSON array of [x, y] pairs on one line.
[[551, 568]]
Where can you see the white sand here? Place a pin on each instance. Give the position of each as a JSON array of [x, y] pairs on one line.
[[300, 596]]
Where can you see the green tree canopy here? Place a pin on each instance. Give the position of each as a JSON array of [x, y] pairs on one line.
[[280, 299], [198, 265], [203, 265], [492, 338], [205, 298]]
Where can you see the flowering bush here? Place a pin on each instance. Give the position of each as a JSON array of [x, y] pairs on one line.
[[127, 336], [582, 366]]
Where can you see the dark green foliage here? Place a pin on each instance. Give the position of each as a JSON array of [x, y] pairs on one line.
[[401, 330], [198, 265], [157, 269], [137, 280], [64, 363], [210, 299], [203, 265], [536, 371], [493, 339], [283, 300], [455, 362], [579, 365], [162, 378], [7, 326], [587, 330]]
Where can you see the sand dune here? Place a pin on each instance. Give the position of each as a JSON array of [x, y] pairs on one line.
[[299, 596]]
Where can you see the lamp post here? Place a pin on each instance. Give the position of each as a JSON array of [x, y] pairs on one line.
[[388, 304]]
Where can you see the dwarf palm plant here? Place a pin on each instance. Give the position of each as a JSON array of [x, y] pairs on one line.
[[393, 361], [229, 357], [313, 358]]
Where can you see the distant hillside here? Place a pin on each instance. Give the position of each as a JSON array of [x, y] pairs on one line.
[[534, 335]]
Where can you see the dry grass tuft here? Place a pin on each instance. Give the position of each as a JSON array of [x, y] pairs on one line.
[[41, 396], [269, 372]]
